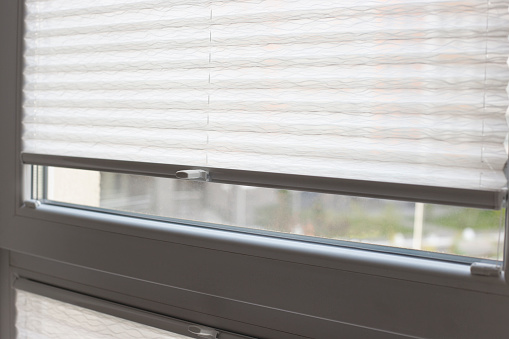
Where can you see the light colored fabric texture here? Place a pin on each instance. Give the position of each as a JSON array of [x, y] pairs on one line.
[[401, 91], [38, 317]]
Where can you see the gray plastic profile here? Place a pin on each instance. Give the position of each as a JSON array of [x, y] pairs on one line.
[[487, 199]]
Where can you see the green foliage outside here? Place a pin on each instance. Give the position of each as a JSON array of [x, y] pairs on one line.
[[355, 223], [360, 222], [461, 218]]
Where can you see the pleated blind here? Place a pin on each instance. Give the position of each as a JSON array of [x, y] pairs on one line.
[[384, 91], [39, 317], [47, 312]]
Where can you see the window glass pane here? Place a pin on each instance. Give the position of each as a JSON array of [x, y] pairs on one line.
[[38, 317], [436, 228]]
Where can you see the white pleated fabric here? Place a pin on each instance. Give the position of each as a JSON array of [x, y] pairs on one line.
[[401, 91], [38, 317]]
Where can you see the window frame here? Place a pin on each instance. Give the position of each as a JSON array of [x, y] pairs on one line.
[[119, 258]]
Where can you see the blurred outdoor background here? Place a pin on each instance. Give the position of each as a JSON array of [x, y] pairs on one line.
[[437, 228]]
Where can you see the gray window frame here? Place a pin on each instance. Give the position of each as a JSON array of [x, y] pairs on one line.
[[244, 283]]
